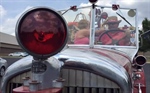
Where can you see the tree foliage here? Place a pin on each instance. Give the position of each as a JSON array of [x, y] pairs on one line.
[[145, 42], [146, 24]]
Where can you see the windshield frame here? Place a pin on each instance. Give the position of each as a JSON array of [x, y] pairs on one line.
[[92, 31]]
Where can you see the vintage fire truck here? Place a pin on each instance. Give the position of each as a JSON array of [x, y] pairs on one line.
[[107, 63]]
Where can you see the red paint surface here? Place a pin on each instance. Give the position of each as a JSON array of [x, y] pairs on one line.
[[117, 57], [141, 81], [125, 62], [22, 90]]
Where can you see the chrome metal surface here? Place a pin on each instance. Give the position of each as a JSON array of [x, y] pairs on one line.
[[92, 28], [78, 81], [52, 72], [3, 66], [98, 64], [34, 86], [18, 67], [24, 65]]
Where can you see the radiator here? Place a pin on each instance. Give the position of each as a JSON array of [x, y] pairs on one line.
[[76, 81]]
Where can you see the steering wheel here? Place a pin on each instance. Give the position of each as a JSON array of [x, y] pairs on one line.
[[113, 37]]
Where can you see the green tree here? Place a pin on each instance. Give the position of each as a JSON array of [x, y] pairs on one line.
[[146, 24], [145, 42]]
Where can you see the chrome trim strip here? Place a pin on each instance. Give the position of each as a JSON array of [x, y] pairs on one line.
[[23, 65], [92, 27], [110, 70]]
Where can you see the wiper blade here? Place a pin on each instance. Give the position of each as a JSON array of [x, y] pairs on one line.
[[124, 19]]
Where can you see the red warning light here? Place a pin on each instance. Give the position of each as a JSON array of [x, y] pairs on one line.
[[115, 7], [93, 1], [42, 37], [74, 8], [42, 32]]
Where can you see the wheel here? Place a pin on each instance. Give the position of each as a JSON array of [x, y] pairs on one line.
[[113, 37], [2, 71]]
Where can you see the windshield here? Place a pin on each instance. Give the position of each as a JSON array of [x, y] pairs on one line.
[[103, 26]]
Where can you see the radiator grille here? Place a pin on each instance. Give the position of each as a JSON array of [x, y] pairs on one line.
[[76, 81], [16, 82], [90, 90]]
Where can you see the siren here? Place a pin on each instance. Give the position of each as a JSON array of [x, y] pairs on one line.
[[115, 7], [140, 60], [93, 1], [41, 32]]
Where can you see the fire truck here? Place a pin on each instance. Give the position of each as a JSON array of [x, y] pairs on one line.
[[107, 63]]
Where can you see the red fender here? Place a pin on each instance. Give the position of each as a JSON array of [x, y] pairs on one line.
[[141, 81]]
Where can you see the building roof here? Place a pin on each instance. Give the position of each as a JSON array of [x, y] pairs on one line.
[[9, 39]]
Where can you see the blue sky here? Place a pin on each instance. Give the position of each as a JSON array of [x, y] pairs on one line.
[[17, 6], [10, 10]]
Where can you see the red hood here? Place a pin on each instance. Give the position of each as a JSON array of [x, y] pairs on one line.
[[118, 57], [105, 54]]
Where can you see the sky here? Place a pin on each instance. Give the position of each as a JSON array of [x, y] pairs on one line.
[[10, 10]]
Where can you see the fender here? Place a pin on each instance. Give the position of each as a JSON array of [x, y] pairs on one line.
[[20, 66]]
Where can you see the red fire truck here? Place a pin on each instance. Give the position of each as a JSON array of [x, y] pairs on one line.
[[64, 58]]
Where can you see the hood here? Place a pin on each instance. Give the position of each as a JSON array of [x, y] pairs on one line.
[[98, 54], [98, 62]]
